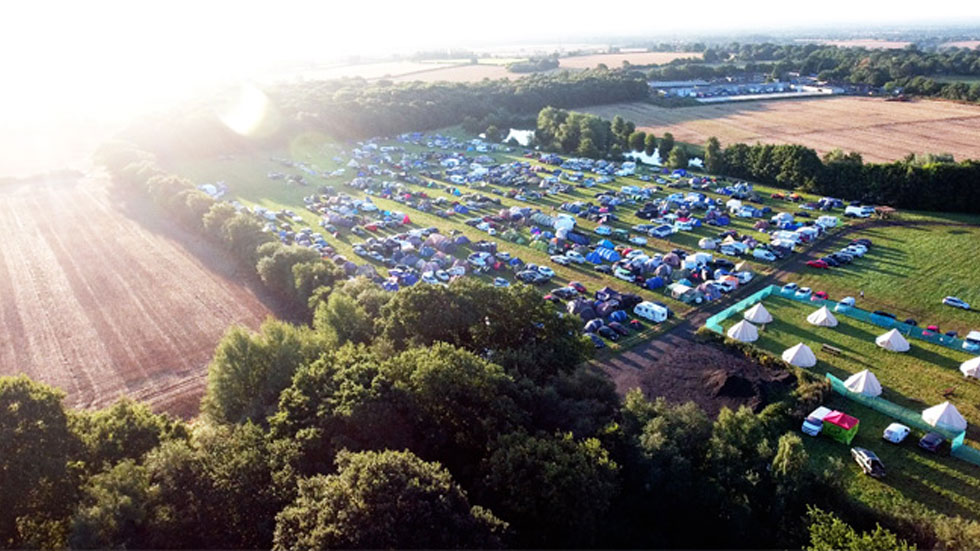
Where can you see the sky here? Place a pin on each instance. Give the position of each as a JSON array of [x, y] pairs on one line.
[[93, 63]]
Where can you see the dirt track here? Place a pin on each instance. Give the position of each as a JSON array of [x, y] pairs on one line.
[[103, 299]]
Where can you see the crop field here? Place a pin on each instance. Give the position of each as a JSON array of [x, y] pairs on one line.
[[616, 60], [907, 272], [879, 130], [915, 380], [384, 69], [100, 305], [869, 43], [459, 73]]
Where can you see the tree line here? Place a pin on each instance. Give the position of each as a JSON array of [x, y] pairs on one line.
[[290, 272], [458, 416], [533, 65]]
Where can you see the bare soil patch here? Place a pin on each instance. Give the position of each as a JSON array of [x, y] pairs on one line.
[[104, 299], [879, 130]]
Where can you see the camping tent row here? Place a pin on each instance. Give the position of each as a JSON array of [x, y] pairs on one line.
[[893, 341], [822, 318]]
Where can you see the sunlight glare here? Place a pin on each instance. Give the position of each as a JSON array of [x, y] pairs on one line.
[[247, 111]]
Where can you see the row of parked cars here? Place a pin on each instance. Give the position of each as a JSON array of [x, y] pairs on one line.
[[855, 249]]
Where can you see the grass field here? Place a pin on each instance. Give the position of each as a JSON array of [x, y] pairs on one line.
[[879, 130], [907, 272], [915, 380]]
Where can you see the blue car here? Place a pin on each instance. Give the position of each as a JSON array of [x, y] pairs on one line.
[[789, 288], [804, 292]]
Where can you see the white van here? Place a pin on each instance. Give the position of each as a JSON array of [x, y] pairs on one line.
[[859, 212], [650, 311], [813, 423], [764, 254]]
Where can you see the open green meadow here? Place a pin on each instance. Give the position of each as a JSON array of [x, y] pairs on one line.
[[908, 271]]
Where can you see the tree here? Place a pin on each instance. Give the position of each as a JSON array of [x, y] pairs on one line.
[[385, 500], [650, 144], [678, 157], [554, 491], [115, 510], [587, 148], [493, 134], [243, 235], [125, 430], [38, 483], [215, 219], [341, 319], [666, 146], [275, 268], [249, 371], [714, 157], [312, 275], [829, 533], [637, 141]]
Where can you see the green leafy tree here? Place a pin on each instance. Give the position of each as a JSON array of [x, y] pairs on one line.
[[666, 146], [382, 500], [125, 430], [312, 275], [829, 533], [637, 140], [678, 157], [38, 479], [275, 267], [649, 144], [250, 370], [554, 491], [243, 235], [341, 319], [215, 219], [714, 157], [116, 510], [493, 134]]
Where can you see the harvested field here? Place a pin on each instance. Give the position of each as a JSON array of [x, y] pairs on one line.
[[460, 73], [616, 60], [880, 130], [99, 299], [383, 69]]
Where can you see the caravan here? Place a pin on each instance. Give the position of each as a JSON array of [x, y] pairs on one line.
[[650, 311]]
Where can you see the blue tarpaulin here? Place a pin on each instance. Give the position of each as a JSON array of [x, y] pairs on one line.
[[654, 283]]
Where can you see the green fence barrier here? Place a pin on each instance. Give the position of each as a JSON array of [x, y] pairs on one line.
[[714, 322], [959, 448]]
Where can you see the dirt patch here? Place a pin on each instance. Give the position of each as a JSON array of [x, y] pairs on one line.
[[681, 370], [104, 299]]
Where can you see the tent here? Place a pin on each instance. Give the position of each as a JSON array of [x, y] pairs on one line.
[[758, 314], [840, 426], [606, 243], [971, 368], [663, 270], [822, 318], [743, 331], [594, 257], [672, 260], [707, 243], [654, 283], [945, 417], [893, 340], [865, 383], [800, 356]]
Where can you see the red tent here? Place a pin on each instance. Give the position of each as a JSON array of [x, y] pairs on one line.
[[841, 419], [406, 220]]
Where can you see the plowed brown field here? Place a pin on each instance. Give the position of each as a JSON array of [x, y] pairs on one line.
[[101, 300], [879, 130]]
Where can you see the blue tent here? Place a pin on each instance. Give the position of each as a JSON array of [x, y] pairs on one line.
[[426, 251], [618, 315], [516, 261], [686, 282], [389, 286], [654, 283], [594, 257], [462, 209], [722, 221], [607, 254], [409, 279], [607, 244]]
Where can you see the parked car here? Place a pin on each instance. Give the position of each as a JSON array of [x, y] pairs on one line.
[[500, 282], [608, 333], [564, 293], [546, 272], [596, 341], [619, 328], [820, 264], [869, 462], [971, 341], [575, 257], [803, 292], [790, 288], [956, 303], [577, 286], [931, 442], [560, 259], [831, 261], [624, 274], [896, 433], [603, 230], [764, 254], [530, 276], [819, 295]]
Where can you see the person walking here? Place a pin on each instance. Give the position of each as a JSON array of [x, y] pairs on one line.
[[861, 293]]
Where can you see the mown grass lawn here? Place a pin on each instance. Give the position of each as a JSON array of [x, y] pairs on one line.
[[908, 271], [916, 480], [915, 379]]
